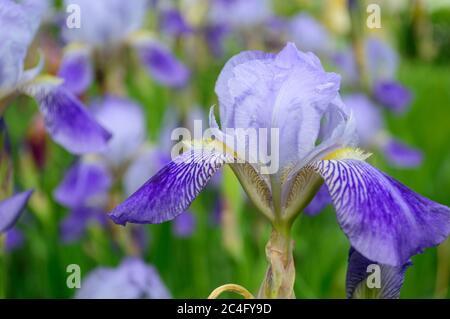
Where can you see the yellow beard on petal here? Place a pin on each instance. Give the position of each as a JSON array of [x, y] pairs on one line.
[[347, 153]]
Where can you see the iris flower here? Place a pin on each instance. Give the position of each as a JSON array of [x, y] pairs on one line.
[[384, 221], [107, 26], [66, 120]]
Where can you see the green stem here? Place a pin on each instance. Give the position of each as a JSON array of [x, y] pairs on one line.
[[280, 275]]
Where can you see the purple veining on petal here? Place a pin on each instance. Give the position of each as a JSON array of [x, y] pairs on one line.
[[402, 155], [132, 279], [384, 220], [162, 65], [392, 95], [319, 202], [391, 278], [85, 184], [184, 224], [170, 192], [76, 70], [11, 208]]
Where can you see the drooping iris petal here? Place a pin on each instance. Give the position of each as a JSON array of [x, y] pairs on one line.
[[132, 279], [309, 34], [125, 120], [105, 22], [11, 208], [359, 268], [368, 118], [170, 192], [13, 239], [85, 184], [401, 155], [173, 23], [392, 95], [319, 202], [76, 70], [184, 224], [162, 65], [74, 225], [144, 166], [384, 220], [18, 28], [66, 119]]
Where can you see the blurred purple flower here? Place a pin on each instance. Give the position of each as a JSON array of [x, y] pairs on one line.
[[173, 23], [392, 95], [184, 224], [309, 34], [132, 279], [11, 208], [368, 118], [125, 120], [239, 13], [381, 60], [401, 155], [215, 35], [75, 224], [105, 22], [66, 120], [76, 70], [13, 239], [162, 65], [383, 219], [85, 184]]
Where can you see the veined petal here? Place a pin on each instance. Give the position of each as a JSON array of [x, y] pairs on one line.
[[76, 69], [171, 190], [359, 268], [383, 219], [10, 209], [66, 119]]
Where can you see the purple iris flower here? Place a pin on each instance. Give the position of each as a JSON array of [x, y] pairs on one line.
[[309, 34], [66, 120], [132, 279], [84, 190], [392, 95], [76, 69], [184, 224], [173, 23], [290, 91], [13, 239], [125, 119], [11, 208], [390, 278], [110, 23], [371, 132], [239, 13]]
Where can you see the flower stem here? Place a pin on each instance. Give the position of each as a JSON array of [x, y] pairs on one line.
[[280, 275]]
